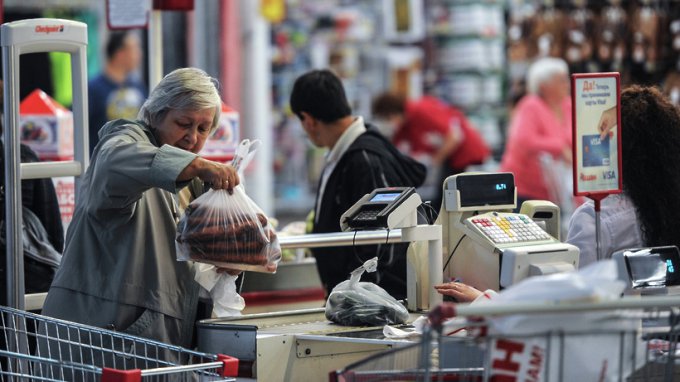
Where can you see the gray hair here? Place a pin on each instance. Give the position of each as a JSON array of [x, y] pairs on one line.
[[182, 89], [543, 70]]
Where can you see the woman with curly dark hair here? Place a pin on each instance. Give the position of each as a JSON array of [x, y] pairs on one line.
[[647, 213]]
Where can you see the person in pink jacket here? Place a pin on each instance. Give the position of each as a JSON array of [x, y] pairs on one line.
[[541, 123]]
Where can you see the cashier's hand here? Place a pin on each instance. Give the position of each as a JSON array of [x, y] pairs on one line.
[[607, 122], [461, 292]]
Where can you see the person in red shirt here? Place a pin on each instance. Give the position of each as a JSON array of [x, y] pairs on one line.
[[430, 128]]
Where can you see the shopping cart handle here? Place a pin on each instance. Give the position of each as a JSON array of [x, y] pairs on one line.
[[230, 365], [116, 375], [441, 313]]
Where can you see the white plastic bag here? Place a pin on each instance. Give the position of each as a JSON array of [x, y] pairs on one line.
[[226, 300], [221, 288], [355, 303], [229, 230], [593, 342]]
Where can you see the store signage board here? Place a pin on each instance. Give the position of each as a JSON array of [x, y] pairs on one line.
[[127, 14], [596, 112]]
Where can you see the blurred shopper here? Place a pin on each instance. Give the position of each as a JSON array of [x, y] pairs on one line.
[[117, 92], [647, 213], [541, 124], [429, 127], [359, 160]]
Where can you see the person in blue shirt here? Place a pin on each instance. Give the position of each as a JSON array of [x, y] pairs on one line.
[[117, 92]]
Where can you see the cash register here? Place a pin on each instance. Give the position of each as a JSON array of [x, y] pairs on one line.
[[489, 247]]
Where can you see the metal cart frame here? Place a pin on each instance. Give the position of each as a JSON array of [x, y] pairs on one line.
[[471, 357], [40, 348]]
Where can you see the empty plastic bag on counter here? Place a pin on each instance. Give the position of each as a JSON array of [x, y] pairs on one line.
[[355, 303], [229, 230]]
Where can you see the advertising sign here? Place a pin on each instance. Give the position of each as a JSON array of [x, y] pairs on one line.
[[127, 14], [596, 133], [221, 145]]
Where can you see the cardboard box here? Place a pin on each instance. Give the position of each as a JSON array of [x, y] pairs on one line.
[[46, 126]]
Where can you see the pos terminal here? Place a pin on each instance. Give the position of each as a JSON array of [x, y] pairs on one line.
[[489, 247], [389, 207]]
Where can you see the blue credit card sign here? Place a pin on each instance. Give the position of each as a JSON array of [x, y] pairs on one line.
[[596, 113], [595, 151]]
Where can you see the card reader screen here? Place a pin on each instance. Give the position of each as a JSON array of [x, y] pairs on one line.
[[387, 197], [488, 189], [658, 268]]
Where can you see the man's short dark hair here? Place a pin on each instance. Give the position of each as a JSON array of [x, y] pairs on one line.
[[320, 94], [115, 43]]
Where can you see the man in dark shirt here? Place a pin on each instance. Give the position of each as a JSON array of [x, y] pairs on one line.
[[359, 160]]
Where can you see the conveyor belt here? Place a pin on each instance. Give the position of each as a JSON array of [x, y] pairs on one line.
[[307, 321]]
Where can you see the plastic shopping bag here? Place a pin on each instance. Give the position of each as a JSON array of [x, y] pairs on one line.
[[221, 289], [355, 303], [592, 346], [229, 230]]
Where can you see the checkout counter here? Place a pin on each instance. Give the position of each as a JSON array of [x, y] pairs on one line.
[[304, 345]]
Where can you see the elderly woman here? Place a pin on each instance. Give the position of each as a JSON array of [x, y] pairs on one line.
[[119, 269], [541, 123]]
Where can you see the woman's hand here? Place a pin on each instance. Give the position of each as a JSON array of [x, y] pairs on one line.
[[221, 176], [461, 292]]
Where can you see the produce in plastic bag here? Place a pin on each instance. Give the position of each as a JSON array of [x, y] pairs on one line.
[[354, 303], [229, 230]]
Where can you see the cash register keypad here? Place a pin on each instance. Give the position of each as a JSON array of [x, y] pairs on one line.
[[510, 229]]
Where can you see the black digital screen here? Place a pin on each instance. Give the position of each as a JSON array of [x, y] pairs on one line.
[[658, 267], [486, 189]]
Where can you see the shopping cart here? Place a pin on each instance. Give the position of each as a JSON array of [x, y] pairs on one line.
[[40, 348], [630, 339]]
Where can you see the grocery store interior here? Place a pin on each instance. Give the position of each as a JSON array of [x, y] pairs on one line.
[[472, 55]]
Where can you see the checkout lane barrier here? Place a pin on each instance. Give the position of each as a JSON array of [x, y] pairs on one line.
[[25, 37], [643, 348]]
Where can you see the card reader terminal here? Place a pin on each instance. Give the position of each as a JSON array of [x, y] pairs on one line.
[[373, 209]]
